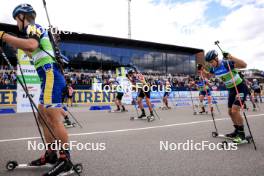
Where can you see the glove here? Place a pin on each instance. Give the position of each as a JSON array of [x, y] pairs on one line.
[[2, 34], [226, 55]]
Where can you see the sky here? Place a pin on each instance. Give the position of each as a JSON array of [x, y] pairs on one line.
[[237, 24]]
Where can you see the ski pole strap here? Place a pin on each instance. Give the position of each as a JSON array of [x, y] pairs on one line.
[[56, 59]]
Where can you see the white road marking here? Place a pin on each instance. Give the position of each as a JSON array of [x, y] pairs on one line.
[[129, 129]]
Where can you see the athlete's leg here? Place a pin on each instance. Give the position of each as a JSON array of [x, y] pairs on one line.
[[201, 103], [54, 115], [117, 104], [44, 121], [236, 116], [140, 105]]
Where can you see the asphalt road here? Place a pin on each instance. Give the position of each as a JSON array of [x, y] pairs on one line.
[[133, 148]]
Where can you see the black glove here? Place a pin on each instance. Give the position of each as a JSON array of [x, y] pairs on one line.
[[225, 54]]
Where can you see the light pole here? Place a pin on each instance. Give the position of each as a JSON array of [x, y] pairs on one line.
[[129, 20]]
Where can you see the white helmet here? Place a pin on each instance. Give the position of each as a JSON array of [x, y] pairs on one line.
[[254, 80], [111, 80]]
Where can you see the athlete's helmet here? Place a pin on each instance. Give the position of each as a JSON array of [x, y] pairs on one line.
[[23, 9], [254, 80], [130, 71], [111, 80], [210, 55]]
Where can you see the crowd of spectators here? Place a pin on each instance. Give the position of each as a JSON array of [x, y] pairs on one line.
[[7, 78], [84, 80], [80, 80]]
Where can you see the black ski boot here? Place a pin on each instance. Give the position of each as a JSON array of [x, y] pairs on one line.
[[151, 117], [203, 110], [234, 133], [63, 165], [240, 135], [142, 115], [67, 122], [50, 157]]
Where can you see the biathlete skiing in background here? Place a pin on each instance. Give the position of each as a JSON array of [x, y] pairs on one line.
[[167, 90], [204, 91], [69, 94], [139, 83], [251, 97], [119, 94], [257, 91], [37, 45], [219, 68]]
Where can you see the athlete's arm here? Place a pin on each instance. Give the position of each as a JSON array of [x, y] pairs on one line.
[[238, 63], [29, 44], [205, 73]]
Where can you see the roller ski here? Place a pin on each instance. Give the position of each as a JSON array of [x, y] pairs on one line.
[[223, 136], [165, 108], [141, 117], [12, 165], [61, 167], [151, 118], [68, 123], [237, 137], [237, 140], [229, 136], [118, 111], [47, 160]]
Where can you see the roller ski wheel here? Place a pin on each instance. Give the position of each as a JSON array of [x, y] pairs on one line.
[[151, 118], [70, 125], [214, 134], [132, 118], [79, 167], [224, 144], [194, 113], [249, 139], [11, 165]]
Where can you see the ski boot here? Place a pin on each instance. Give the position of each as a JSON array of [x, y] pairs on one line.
[[151, 117], [62, 166], [240, 137], [141, 116], [233, 134], [50, 157], [203, 111]]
